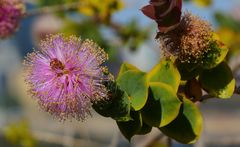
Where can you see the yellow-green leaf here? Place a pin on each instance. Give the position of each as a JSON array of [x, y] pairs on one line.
[[136, 85], [165, 72], [215, 55], [126, 67], [187, 127], [203, 3], [162, 105], [219, 81]]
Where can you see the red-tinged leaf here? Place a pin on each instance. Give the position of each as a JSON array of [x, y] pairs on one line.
[[169, 21], [166, 13], [149, 11]]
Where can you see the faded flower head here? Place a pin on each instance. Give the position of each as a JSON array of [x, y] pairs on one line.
[[11, 12], [190, 40], [66, 76]]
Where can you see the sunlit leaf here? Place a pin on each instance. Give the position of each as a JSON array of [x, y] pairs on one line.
[[187, 127], [203, 3], [215, 55], [219, 81], [162, 105], [126, 67], [165, 72], [102, 9], [136, 85]]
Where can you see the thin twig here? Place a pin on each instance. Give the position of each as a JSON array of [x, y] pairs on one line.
[[206, 97], [169, 142], [70, 7], [155, 139]]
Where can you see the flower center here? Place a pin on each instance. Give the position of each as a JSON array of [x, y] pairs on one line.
[[55, 64]]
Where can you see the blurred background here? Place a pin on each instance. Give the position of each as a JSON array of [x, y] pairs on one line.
[[126, 35]]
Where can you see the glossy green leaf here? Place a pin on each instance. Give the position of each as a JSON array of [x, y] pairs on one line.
[[131, 127], [215, 55], [219, 81], [162, 105], [187, 127], [136, 85], [165, 72], [116, 106], [126, 67]]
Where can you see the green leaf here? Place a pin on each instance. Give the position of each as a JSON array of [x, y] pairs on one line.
[[136, 85], [162, 105], [165, 72], [188, 70], [227, 21], [219, 81], [116, 106], [187, 127], [215, 55], [132, 127], [126, 67]]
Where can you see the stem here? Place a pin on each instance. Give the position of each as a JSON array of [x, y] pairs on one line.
[[206, 97], [155, 139], [55, 8], [169, 142]]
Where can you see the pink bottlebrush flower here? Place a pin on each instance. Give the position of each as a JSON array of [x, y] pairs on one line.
[[66, 76], [11, 12]]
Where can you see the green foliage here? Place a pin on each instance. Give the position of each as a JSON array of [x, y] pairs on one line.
[[211, 59], [227, 21], [100, 9], [116, 106], [131, 127], [216, 55], [219, 81], [136, 85], [165, 72], [162, 106], [203, 3], [50, 2], [126, 67], [187, 127], [19, 134], [133, 35]]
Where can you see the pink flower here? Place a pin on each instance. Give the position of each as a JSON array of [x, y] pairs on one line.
[[66, 76], [11, 12]]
